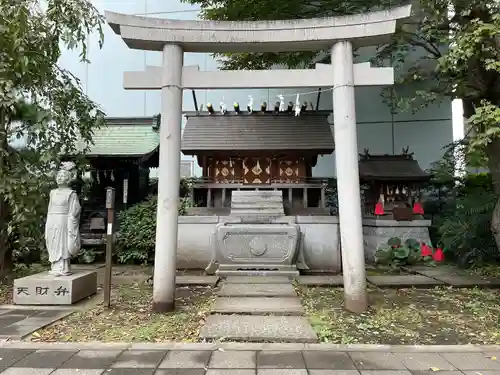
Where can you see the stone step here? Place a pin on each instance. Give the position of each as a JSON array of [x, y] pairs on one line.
[[257, 266], [257, 273], [257, 211], [257, 290], [258, 306], [255, 207], [260, 219], [256, 193], [257, 328], [257, 202], [257, 279]]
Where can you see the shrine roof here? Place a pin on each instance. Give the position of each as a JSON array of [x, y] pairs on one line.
[[124, 136], [391, 168], [257, 131]]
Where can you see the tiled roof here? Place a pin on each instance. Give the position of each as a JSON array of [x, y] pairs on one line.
[[257, 131], [391, 167], [126, 136]]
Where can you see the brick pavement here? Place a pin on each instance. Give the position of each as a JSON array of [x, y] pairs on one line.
[[29, 358]]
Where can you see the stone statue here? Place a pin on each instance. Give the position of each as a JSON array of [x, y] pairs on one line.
[[62, 233]]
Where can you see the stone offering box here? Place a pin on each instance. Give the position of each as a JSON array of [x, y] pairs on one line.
[[45, 289]]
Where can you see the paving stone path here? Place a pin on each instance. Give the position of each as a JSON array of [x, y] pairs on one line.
[[27, 358], [16, 323], [418, 277], [258, 309]]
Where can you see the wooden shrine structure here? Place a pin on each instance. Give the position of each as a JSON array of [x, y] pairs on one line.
[[122, 153], [394, 182], [258, 151]]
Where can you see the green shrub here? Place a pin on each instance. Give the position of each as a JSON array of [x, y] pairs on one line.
[[464, 232], [26, 220], [461, 214], [397, 253], [461, 208], [136, 236]]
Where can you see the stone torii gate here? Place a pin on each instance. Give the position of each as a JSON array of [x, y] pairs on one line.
[[338, 34]]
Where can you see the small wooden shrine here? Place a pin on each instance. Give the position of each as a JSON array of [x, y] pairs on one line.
[[392, 186], [120, 157], [259, 150]]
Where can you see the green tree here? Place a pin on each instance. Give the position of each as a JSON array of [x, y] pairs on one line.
[[456, 45], [42, 105]]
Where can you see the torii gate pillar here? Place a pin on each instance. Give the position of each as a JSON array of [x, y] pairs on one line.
[[346, 163], [167, 214]]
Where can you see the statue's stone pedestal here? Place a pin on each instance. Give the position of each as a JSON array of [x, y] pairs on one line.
[[46, 289]]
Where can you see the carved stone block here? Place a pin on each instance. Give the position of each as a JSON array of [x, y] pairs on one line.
[[257, 243], [45, 289]]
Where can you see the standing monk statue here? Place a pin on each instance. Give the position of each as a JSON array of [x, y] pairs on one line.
[[62, 232]]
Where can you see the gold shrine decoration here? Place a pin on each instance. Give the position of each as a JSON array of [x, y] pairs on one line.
[[257, 170], [289, 171], [224, 172]]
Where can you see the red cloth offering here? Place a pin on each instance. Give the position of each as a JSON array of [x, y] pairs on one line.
[[418, 209], [438, 255], [426, 250]]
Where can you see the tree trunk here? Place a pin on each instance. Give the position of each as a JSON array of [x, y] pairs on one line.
[[493, 153], [5, 249]]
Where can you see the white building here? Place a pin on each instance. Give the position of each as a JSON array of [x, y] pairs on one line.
[[378, 130]]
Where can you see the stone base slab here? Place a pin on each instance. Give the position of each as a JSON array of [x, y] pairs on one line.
[[258, 328], [403, 281], [186, 280], [466, 281], [257, 290], [277, 270], [258, 306], [45, 289], [257, 273], [323, 280], [257, 280]]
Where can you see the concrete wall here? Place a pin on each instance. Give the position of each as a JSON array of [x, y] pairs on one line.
[[319, 241], [319, 244]]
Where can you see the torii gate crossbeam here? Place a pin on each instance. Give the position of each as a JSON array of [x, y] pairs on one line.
[[193, 78]]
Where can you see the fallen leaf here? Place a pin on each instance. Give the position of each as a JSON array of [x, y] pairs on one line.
[[434, 369]]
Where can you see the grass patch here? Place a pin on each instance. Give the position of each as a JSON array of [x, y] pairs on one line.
[[490, 270], [406, 316], [131, 318]]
